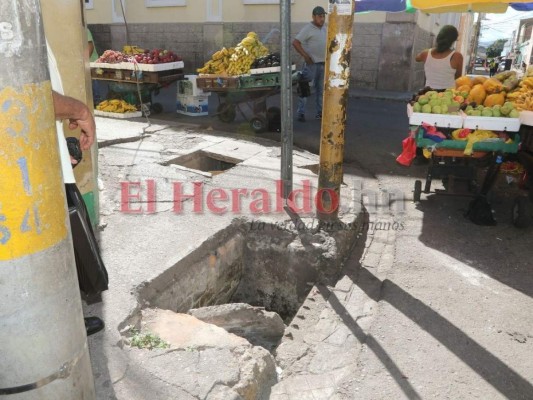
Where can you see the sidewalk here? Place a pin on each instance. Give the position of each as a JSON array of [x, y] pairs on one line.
[[158, 257], [437, 309]]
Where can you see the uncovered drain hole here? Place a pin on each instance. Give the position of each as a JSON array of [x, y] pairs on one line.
[[271, 268], [207, 162]]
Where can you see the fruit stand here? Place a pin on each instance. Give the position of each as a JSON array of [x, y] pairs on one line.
[[464, 130], [247, 94], [244, 77], [134, 78]]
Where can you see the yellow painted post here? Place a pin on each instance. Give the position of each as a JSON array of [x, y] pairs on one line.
[[68, 42], [43, 346], [336, 82]]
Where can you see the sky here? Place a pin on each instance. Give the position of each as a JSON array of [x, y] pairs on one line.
[[501, 26]]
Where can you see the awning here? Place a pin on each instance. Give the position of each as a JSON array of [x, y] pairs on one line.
[[522, 6], [442, 6], [380, 5], [485, 6]]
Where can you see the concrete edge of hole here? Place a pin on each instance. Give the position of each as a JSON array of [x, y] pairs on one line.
[[238, 260]]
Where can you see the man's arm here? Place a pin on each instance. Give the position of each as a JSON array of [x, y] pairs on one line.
[[89, 50], [79, 116], [299, 48]]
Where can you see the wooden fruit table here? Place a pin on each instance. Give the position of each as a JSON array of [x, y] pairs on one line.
[[127, 79]]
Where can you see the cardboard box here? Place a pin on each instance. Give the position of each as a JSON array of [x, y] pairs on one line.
[[192, 105], [188, 87]]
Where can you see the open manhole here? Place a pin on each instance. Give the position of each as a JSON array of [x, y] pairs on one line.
[[207, 162], [254, 263]]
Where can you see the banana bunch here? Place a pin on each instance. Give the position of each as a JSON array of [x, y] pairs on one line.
[[235, 60], [245, 54], [116, 106], [522, 97], [132, 50], [218, 63]]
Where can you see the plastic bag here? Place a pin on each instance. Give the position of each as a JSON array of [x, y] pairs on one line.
[[92, 274], [409, 151]]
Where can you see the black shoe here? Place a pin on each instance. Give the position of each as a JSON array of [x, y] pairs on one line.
[[301, 117], [93, 325], [318, 116]]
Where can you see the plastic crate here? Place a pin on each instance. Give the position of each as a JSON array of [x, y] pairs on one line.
[[440, 120], [526, 117], [262, 80], [492, 123], [217, 82]]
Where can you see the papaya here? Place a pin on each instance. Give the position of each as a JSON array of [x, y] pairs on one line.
[[463, 80], [477, 94], [492, 86], [494, 99], [510, 83], [479, 79], [464, 88], [502, 76]]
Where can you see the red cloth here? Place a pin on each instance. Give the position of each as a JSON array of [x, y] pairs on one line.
[[408, 153]]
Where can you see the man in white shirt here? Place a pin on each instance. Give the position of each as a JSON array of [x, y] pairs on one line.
[[310, 43], [79, 116]]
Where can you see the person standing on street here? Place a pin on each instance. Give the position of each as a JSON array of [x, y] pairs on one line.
[[442, 64], [78, 116], [493, 65], [310, 43]]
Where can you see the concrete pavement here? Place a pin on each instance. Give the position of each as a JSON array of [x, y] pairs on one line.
[[161, 257], [427, 306]]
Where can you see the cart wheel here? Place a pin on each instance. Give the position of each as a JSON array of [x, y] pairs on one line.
[[521, 212], [274, 119], [226, 112], [258, 124], [418, 191], [157, 108]]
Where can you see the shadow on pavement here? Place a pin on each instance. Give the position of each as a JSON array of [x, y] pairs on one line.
[[502, 252], [484, 363]]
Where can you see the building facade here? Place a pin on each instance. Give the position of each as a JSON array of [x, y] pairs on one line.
[[384, 44]]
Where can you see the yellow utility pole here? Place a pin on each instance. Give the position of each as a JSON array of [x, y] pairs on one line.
[[43, 345], [336, 83]]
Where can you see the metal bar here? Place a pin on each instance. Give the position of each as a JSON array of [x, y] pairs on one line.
[[336, 83], [287, 135]]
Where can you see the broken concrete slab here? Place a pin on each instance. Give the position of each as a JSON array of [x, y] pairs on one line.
[[187, 331], [197, 352], [259, 327]]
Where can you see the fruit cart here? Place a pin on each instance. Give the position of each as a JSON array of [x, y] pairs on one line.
[[457, 162], [248, 95], [137, 83]]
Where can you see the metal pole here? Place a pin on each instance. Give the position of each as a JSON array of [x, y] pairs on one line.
[[287, 136], [475, 40], [336, 82], [43, 346]]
